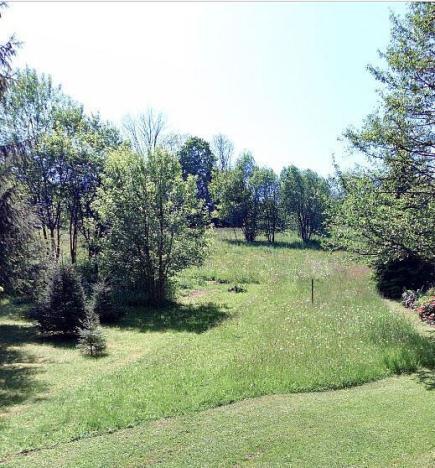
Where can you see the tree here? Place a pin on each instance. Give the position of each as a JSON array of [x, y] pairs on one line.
[[223, 149], [17, 246], [7, 52], [62, 153], [388, 209], [156, 222], [91, 339], [197, 159], [63, 308], [27, 119], [146, 131], [238, 195], [304, 196], [268, 187]]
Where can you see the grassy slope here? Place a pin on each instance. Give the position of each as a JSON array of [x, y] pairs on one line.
[[215, 347], [387, 423]]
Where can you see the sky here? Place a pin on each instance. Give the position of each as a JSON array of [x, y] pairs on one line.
[[283, 80]]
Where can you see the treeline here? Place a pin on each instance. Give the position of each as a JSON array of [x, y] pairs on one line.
[[82, 177]]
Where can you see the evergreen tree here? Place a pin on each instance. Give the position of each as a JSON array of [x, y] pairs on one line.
[[387, 210], [104, 305], [63, 307], [91, 340]]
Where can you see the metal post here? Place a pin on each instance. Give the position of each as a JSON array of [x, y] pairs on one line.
[[312, 291]]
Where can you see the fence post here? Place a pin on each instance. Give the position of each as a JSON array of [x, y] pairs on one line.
[[312, 290]]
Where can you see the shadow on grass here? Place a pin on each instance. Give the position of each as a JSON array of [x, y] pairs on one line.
[[405, 349], [427, 378], [299, 245], [179, 317], [17, 367]]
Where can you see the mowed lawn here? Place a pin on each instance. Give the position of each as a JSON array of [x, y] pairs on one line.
[[214, 347]]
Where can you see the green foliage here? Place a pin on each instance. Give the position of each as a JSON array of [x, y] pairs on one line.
[[7, 52], [62, 153], [156, 222], [238, 195], [387, 211], [19, 248], [304, 200], [103, 302], [393, 277], [63, 307], [197, 159], [91, 340]]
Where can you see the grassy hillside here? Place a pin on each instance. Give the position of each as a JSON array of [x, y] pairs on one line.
[[211, 348], [387, 423]]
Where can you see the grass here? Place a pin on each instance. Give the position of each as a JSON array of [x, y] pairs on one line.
[[387, 423], [211, 348]]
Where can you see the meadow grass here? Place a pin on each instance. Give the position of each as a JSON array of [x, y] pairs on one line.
[[387, 423], [211, 347]]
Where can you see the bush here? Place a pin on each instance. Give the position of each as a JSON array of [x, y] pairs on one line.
[[91, 339], [63, 306], [104, 305], [426, 310], [395, 276]]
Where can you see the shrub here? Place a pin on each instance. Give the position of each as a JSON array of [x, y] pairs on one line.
[[104, 305], [63, 307], [91, 339], [395, 276], [426, 310]]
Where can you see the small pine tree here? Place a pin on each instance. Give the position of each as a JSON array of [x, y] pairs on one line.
[[91, 339], [104, 306], [63, 307]]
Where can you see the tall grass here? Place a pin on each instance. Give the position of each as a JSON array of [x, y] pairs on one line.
[[217, 347]]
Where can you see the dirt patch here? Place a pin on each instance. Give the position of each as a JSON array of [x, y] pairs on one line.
[[197, 293]]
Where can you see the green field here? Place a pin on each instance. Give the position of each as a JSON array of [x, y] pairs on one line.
[[214, 347]]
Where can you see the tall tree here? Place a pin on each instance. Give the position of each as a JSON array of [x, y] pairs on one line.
[[223, 149], [156, 222], [304, 196], [61, 156], [238, 195], [146, 131], [388, 212], [17, 247], [7, 52], [27, 119], [197, 159], [268, 187]]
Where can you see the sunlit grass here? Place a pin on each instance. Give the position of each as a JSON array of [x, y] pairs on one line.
[[217, 346]]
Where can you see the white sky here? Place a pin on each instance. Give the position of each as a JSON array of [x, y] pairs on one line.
[[281, 79]]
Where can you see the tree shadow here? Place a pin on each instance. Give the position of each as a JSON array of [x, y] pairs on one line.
[[298, 245], [174, 316], [427, 378], [17, 367]]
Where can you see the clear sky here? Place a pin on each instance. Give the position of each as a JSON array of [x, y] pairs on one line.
[[280, 79]]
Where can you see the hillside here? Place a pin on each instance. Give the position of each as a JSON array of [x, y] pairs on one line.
[[214, 347]]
